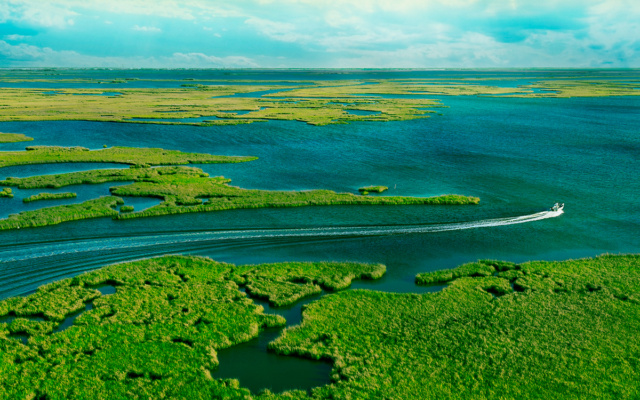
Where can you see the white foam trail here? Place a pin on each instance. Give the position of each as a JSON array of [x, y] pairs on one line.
[[105, 244]]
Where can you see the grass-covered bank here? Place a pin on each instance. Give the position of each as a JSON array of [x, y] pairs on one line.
[[156, 336], [183, 190], [121, 155], [96, 208], [49, 196], [6, 192], [14, 137]]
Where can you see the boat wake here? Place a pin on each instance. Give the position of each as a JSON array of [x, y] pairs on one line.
[[191, 239]]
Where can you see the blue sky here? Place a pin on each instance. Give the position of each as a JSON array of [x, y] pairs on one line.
[[320, 33]]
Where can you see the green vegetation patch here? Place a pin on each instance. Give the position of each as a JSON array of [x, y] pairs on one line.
[[182, 193], [372, 189], [565, 330], [14, 137], [480, 268], [569, 330], [101, 207], [155, 337], [584, 88], [313, 102], [121, 155], [283, 284], [98, 176], [6, 192], [49, 196], [159, 106], [126, 208], [183, 189]]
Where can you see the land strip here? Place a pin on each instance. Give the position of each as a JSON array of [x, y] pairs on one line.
[[188, 190], [120, 155], [14, 137]]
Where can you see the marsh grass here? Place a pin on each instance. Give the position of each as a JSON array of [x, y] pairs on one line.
[[101, 207], [320, 103], [14, 137], [6, 192], [372, 189], [569, 330], [49, 196], [183, 188], [122, 155], [157, 336]]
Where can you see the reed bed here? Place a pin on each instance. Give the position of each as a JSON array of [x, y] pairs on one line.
[[156, 337], [49, 196]]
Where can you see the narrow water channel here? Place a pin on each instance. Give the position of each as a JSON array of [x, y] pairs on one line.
[[105, 290]]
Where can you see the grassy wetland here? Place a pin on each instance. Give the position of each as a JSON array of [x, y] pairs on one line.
[[314, 102], [565, 330], [122, 155], [156, 336], [49, 196], [14, 137], [372, 189], [101, 207], [182, 189], [498, 330]]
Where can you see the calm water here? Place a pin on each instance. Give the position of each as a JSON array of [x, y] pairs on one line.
[[518, 155]]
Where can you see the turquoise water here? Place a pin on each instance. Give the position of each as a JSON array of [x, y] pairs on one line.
[[518, 155]]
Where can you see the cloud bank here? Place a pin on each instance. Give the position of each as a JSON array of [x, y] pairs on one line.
[[328, 33]]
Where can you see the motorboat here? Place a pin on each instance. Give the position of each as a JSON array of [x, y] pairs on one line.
[[557, 207]]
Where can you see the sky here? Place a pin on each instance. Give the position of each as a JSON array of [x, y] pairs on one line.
[[320, 33]]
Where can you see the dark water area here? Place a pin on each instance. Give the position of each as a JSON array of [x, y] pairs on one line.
[[277, 373], [519, 155]]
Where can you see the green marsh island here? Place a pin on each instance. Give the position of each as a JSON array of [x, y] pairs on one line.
[[49, 196], [182, 189], [497, 330], [14, 137], [313, 102]]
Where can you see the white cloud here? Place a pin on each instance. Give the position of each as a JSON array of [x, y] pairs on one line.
[[37, 13], [25, 55], [151, 29], [200, 60], [358, 33], [56, 13], [16, 37], [282, 31]]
